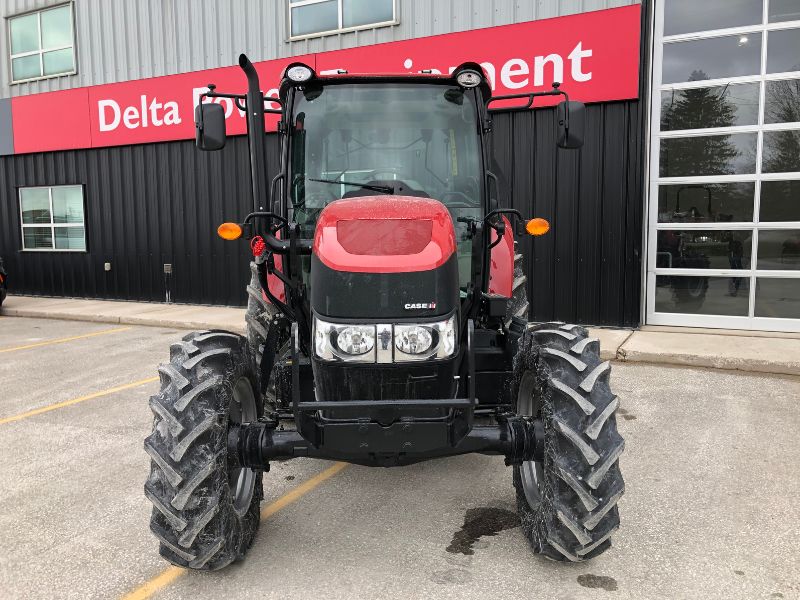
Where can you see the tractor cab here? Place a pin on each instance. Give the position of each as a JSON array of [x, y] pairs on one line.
[[418, 139]]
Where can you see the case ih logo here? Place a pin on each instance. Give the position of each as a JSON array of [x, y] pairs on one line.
[[421, 306], [595, 55]]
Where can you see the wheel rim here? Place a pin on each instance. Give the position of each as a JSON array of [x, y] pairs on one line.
[[242, 480], [531, 472]]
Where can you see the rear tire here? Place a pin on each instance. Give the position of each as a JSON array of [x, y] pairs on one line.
[[568, 502], [205, 511]]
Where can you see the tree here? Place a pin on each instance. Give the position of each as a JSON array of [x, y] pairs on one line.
[[782, 148], [703, 155]]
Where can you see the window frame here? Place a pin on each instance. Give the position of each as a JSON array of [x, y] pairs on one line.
[[290, 4], [52, 224], [653, 226], [41, 51]]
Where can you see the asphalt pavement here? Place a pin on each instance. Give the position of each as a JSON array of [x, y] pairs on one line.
[[710, 511]]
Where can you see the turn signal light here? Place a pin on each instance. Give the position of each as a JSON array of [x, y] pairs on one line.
[[537, 226], [229, 231]]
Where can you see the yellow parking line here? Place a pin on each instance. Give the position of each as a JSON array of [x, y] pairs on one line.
[[66, 339], [169, 575], [57, 405]]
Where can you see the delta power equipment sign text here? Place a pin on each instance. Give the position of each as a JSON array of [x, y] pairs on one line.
[[594, 55]]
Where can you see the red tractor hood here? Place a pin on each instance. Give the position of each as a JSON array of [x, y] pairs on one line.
[[384, 234]]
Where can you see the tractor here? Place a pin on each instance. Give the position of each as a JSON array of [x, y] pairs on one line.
[[387, 319]]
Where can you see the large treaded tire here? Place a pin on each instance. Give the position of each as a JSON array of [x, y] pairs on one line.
[[518, 303], [579, 481], [259, 315], [194, 514]]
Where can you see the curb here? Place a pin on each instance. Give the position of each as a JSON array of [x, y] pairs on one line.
[[622, 346], [113, 320]]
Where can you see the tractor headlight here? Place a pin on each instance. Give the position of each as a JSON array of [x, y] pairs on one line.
[[352, 343], [429, 340], [415, 339], [469, 79], [357, 343], [355, 340], [299, 73]]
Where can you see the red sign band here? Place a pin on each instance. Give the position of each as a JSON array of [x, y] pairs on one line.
[[594, 55]]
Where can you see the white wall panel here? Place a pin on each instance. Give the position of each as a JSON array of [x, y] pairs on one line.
[[119, 40]]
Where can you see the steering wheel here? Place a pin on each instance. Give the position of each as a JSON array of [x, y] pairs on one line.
[[384, 171], [466, 203]]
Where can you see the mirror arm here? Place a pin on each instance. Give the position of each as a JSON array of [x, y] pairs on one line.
[[504, 211], [530, 96]]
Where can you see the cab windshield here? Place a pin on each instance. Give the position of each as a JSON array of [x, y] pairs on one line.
[[409, 139]]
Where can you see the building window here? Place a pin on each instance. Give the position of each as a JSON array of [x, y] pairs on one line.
[[321, 17], [53, 218], [724, 247], [42, 44]]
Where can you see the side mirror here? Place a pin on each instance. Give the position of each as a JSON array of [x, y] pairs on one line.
[[571, 124], [209, 123]]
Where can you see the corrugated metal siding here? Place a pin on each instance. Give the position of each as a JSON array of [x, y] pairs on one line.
[[146, 206], [119, 40], [160, 203], [588, 268]]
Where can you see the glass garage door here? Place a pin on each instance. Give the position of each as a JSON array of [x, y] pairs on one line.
[[724, 214]]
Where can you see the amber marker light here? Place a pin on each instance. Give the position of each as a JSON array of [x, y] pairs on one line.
[[537, 226], [229, 231]]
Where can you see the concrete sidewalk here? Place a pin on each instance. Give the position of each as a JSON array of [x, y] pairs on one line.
[[759, 352]]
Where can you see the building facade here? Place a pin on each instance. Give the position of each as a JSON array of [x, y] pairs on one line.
[[681, 208]]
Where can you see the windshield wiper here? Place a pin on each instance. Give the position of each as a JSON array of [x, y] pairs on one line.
[[375, 188]]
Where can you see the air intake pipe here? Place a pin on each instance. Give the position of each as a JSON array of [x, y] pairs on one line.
[[255, 134]]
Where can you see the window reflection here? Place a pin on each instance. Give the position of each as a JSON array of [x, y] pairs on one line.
[[701, 295], [709, 155], [313, 18], [365, 12], [782, 101], [779, 249], [782, 51], [780, 201], [784, 10], [704, 249], [718, 106], [778, 298], [781, 151], [697, 60], [35, 203], [686, 16], [34, 238], [706, 203]]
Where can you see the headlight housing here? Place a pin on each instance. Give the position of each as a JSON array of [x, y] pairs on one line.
[[405, 342], [422, 341], [350, 343], [299, 73], [469, 79]]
